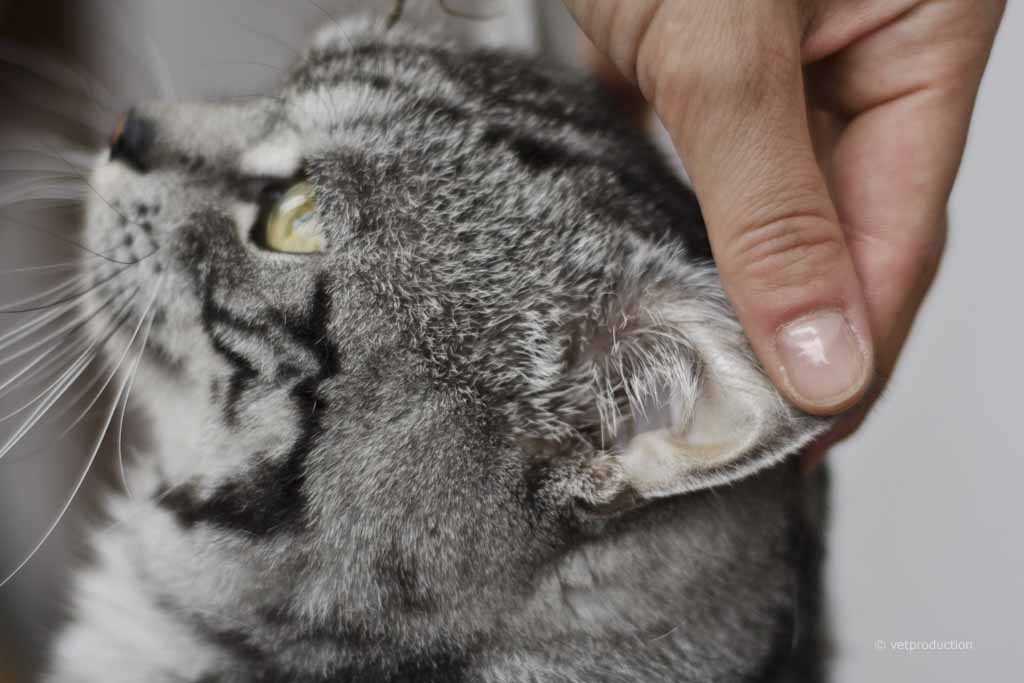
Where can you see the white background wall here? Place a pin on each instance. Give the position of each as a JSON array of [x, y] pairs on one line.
[[928, 496], [927, 542]]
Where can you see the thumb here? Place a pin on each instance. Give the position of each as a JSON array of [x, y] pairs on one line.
[[738, 118]]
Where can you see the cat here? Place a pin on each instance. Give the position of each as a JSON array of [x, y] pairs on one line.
[[442, 386]]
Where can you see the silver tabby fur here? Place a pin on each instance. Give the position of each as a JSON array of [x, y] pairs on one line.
[[408, 458]]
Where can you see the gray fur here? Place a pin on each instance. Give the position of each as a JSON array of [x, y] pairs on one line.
[[429, 454]]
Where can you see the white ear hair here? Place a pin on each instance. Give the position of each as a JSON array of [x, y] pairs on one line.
[[683, 400]]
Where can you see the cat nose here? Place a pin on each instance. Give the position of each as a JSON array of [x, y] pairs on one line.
[[132, 137]]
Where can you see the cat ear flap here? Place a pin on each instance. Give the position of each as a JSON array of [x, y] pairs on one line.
[[682, 403]]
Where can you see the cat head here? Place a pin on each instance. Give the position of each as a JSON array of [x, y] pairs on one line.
[[416, 325]]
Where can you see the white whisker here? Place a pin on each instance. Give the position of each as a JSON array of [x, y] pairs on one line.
[[98, 394], [54, 416], [65, 300], [57, 389], [12, 382], [85, 179], [52, 188], [88, 389], [66, 265], [33, 170], [56, 311], [53, 393], [45, 374], [132, 373], [66, 240], [70, 326], [70, 110], [161, 72], [88, 466], [44, 361], [47, 68], [80, 159], [272, 38]]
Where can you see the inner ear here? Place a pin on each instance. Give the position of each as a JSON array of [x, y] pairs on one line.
[[723, 435], [682, 400]]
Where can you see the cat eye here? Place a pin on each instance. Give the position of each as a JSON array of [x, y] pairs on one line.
[[288, 223]]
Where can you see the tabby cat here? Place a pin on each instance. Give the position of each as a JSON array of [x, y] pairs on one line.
[[442, 386]]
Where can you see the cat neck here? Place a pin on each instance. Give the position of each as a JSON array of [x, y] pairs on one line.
[[634, 605]]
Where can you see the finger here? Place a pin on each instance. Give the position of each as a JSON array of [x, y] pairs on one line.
[[732, 97], [907, 92]]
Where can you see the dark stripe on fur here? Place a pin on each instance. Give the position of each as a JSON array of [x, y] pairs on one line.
[[555, 112], [441, 670], [380, 663], [269, 498], [489, 76], [244, 372]]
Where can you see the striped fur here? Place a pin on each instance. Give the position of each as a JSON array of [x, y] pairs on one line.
[[402, 460]]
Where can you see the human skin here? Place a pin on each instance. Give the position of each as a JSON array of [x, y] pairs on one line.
[[823, 138]]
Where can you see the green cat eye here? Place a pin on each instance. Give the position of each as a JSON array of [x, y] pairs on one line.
[[291, 226]]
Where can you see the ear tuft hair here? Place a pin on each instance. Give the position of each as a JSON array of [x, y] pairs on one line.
[[682, 402]]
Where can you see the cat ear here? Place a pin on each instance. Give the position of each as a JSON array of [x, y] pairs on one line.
[[682, 402]]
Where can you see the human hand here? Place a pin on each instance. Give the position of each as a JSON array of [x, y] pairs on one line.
[[822, 138]]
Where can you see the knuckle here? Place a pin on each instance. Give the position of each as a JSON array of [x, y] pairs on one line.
[[691, 83], [796, 252]]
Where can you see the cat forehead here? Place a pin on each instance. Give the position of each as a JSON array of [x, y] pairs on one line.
[[345, 80]]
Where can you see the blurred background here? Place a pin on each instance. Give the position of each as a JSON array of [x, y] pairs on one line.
[[925, 542]]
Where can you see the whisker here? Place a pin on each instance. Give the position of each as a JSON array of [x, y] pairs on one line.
[[83, 159], [65, 352], [465, 14], [89, 184], [133, 372], [37, 172], [47, 68], [67, 299], [55, 415], [24, 330], [28, 368], [156, 65], [85, 470], [109, 379], [64, 189], [79, 323], [66, 265], [58, 388], [70, 405], [272, 38], [50, 104], [103, 199], [120, 433], [120, 317], [164, 80], [56, 290], [251, 97], [54, 392], [276, 68], [73, 243], [332, 18], [88, 389]]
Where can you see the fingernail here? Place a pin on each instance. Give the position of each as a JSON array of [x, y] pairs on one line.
[[822, 358]]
